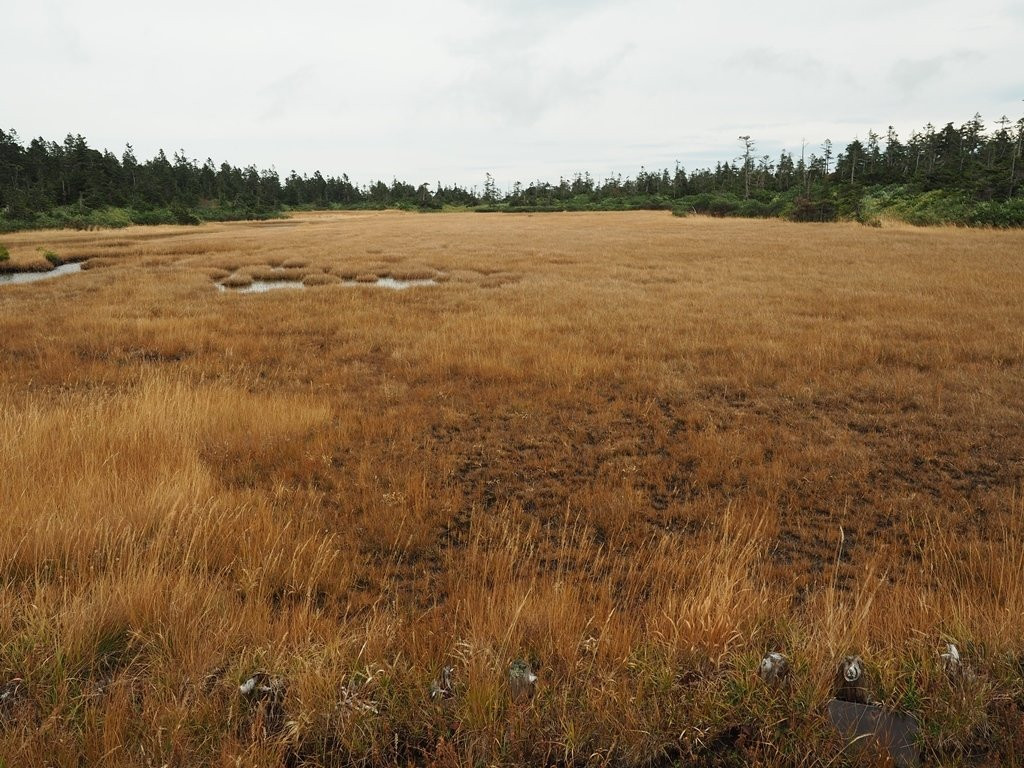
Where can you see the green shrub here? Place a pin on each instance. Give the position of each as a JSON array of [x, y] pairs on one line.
[[113, 218], [153, 217], [936, 207], [1001, 214], [754, 209], [809, 209], [711, 204], [4, 253], [183, 215], [51, 257]]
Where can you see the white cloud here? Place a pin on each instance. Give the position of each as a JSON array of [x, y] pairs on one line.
[[524, 88]]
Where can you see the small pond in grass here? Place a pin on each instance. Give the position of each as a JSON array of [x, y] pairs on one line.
[[264, 286], [17, 278], [396, 285]]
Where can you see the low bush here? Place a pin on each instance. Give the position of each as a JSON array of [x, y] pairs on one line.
[[51, 257], [184, 216], [1001, 214], [810, 209], [710, 204]]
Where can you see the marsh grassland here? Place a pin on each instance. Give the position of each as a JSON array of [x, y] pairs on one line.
[[634, 450]]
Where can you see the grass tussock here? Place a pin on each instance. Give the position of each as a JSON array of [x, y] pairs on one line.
[[633, 450], [320, 278], [99, 263], [277, 274], [236, 280], [412, 272]]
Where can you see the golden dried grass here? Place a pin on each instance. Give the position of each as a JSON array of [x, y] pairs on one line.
[[320, 279], [276, 274], [236, 280], [635, 450]]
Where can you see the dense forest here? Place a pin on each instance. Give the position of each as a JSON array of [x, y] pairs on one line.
[[970, 175]]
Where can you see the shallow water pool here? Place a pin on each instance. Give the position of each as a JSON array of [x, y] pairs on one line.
[[18, 278]]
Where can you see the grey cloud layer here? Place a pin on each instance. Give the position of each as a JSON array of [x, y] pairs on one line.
[[526, 88]]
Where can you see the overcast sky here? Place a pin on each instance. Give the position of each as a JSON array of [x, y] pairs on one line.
[[446, 90]]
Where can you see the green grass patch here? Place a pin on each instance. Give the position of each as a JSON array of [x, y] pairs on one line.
[[51, 257]]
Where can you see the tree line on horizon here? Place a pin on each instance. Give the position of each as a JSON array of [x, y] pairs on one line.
[[969, 175]]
